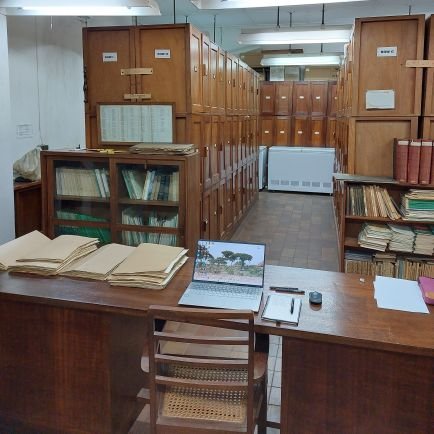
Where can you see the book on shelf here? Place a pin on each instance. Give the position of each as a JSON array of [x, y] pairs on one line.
[[425, 161], [418, 205], [73, 181], [414, 161], [400, 159], [102, 234]]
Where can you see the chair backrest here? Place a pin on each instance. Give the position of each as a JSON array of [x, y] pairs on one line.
[[221, 372]]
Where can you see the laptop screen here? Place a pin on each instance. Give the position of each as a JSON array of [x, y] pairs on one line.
[[227, 262]]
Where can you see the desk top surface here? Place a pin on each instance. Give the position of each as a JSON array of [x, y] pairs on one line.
[[348, 314]]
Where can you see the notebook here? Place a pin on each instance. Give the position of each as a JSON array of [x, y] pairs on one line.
[[282, 308], [227, 275]]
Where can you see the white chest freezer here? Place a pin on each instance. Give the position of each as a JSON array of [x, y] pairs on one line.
[[301, 169], [262, 169]]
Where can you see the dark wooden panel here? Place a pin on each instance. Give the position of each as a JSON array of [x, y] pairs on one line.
[[332, 105], [318, 128], [268, 94], [283, 99], [267, 131], [28, 207], [301, 132], [301, 98], [282, 127], [319, 98], [354, 390]]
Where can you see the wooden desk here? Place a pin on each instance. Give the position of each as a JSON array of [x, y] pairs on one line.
[[70, 356], [28, 207]]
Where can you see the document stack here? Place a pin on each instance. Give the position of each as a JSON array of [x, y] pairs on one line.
[[424, 240], [418, 205], [20, 247], [162, 149], [99, 264], [375, 237], [149, 266], [50, 257], [402, 238]]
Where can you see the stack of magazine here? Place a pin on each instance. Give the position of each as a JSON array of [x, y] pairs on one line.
[[73, 181]]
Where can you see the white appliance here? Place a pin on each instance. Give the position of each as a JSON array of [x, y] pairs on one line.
[[301, 169], [262, 170]]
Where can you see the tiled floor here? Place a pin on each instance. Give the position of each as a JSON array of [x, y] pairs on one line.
[[299, 231]]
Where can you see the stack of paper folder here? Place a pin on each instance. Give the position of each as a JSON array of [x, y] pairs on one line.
[[20, 247], [99, 264], [149, 266], [162, 149], [50, 257]]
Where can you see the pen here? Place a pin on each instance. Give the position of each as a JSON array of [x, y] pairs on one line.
[[292, 306], [287, 289]]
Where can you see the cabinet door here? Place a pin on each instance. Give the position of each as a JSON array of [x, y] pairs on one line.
[[195, 70], [206, 203], [282, 126], [244, 188], [319, 96], [205, 74], [301, 101], [332, 99], [331, 133], [221, 210], [221, 81], [228, 205], [206, 151], [237, 194], [319, 129], [235, 84], [268, 95], [267, 131], [213, 79], [301, 131], [214, 216], [227, 144], [228, 83], [214, 149], [283, 101], [245, 130], [170, 71]]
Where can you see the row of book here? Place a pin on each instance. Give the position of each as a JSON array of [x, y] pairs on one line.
[[134, 238], [418, 205], [102, 234], [413, 161], [152, 184], [388, 264], [370, 201], [418, 239], [164, 219], [148, 265], [73, 181]]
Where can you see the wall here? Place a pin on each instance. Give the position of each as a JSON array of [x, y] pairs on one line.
[[7, 230], [46, 82]]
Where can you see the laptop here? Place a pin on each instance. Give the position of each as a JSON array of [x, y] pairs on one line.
[[227, 275]]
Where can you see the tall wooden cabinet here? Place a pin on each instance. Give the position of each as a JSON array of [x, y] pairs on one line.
[[215, 97], [122, 198]]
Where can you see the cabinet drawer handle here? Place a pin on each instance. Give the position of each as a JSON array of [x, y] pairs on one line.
[[195, 68]]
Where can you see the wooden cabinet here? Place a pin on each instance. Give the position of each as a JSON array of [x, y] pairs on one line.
[[331, 133], [268, 95], [301, 98], [206, 94], [28, 207], [332, 104], [319, 98], [428, 80], [221, 81], [301, 132], [122, 198], [283, 98], [318, 127], [282, 130], [213, 77], [267, 131], [350, 222], [427, 127]]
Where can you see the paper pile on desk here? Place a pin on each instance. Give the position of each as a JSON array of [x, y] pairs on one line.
[[149, 266], [18, 248], [398, 294], [162, 149], [52, 256], [99, 264]]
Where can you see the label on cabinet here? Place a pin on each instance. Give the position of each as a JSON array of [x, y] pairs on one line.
[[380, 99], [387, 51], [162, 53], [109, 57]]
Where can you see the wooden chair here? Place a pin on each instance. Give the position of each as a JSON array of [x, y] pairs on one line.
[[200, 393]]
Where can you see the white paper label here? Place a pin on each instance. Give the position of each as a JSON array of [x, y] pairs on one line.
[[317, 97], [299, 132], [301, 97], [24, 131], [267, 97], [266, 131], [162, 53], [380, 99], [282, 132], [387, 51], [109, 57], [316, 133]]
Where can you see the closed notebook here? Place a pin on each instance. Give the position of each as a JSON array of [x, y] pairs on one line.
[[278, 308], [426, 285], [413, 161], [425, 161], [20, 247], [400, 159]]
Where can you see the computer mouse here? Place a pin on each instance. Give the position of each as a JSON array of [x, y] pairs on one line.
[[315, 297]]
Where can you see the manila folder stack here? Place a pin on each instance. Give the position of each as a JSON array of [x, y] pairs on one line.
[[149, 266]]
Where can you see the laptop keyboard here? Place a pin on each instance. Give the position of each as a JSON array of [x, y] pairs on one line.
[[222, 290]]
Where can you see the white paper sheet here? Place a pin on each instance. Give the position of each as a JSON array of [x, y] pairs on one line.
[[399, 294]]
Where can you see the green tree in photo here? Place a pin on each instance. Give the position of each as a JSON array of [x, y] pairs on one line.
[[243, 258], [228, 255]]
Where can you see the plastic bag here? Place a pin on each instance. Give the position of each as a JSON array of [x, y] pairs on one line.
[[29, 166]]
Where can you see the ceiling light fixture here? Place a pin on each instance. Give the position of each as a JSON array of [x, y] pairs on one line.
[[237, 4], [81, 7], [299, 36], [301, 60]]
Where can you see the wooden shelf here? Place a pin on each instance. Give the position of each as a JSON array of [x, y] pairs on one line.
[[385, 220], [127, 201], [83, 198]]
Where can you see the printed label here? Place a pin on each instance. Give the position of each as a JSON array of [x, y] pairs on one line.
[[162, 53], [387, 51], [109, 57]]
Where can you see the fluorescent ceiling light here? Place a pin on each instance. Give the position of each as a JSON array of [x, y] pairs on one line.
[[81, 7], [299, 36], [301, 60], [237, 4]]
